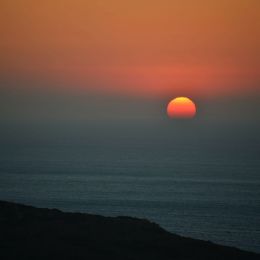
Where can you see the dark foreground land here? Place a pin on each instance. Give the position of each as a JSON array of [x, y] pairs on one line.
[[35, 233]]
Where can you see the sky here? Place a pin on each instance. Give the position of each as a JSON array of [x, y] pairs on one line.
[[117, 54]]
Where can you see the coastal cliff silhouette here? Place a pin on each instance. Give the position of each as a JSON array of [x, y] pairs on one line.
[[36, 233]]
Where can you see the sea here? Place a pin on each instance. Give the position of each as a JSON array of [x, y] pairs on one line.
[[193, 179]]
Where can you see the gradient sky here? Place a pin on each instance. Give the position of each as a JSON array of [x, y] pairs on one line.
[[138, 47]]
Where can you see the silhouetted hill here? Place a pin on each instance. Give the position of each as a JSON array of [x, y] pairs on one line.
[[35, 233]]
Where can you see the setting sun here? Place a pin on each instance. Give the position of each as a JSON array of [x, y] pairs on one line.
[[181, 107]]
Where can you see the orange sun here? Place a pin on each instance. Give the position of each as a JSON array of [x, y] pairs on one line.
[[181, 107]]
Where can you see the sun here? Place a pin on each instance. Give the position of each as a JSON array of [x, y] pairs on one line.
[[181, 107]]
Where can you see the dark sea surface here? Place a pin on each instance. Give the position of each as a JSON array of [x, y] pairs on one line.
[[197, 181]]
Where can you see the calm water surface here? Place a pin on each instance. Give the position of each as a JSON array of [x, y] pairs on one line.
[[204, 185]]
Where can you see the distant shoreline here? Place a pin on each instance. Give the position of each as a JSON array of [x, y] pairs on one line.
[[38, 233]]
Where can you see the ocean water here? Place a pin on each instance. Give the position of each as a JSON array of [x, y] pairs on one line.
[[197, 182]]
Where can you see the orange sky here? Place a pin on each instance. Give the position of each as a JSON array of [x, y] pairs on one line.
[[136, 47]]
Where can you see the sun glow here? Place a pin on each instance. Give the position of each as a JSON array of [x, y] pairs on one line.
[[181, 107]]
